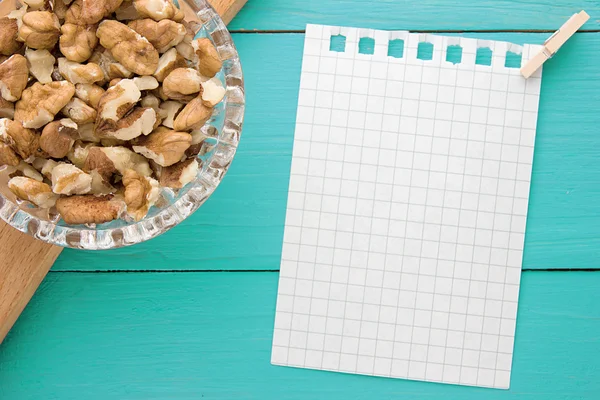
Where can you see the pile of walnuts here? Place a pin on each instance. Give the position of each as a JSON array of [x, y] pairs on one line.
[[101, 104]]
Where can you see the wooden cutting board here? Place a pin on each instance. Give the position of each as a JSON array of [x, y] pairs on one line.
[[25, 261]]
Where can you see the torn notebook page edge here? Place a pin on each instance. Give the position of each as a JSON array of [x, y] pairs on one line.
[[470, 46]]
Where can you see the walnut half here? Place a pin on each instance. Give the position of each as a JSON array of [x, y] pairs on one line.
[[163, 146], [180, 174], [140, 194], [40, 103], [128, 47], [40, 30], [115, 104], [23, 141], [58, 138], [163, 35], [158, 9], [14, 75], [37, 193], [78, 42], [67, 179], [89, 209]]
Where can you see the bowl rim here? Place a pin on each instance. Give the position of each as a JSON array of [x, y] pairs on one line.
[[197, 192]]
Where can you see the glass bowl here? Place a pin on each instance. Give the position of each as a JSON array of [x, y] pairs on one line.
[[222, 133]]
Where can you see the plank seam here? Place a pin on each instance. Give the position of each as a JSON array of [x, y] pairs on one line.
[[159, 271], [212, 271], [302, 31]]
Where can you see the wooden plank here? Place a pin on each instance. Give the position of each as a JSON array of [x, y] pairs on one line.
[[241, 226], [415, 15], [227, 9], [25, 260], [193, 335], [24, 263]]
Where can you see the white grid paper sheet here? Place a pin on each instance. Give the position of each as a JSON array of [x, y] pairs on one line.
[[406, 212]]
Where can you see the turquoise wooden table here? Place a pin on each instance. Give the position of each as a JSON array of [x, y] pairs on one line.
[[190, 315]]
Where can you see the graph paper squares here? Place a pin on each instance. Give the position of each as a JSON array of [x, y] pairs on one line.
[[407, 209]]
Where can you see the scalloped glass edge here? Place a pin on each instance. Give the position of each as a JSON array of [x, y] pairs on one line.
[[195, 194]]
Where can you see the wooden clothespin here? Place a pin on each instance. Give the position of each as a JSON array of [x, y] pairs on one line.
[[554, 43]]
